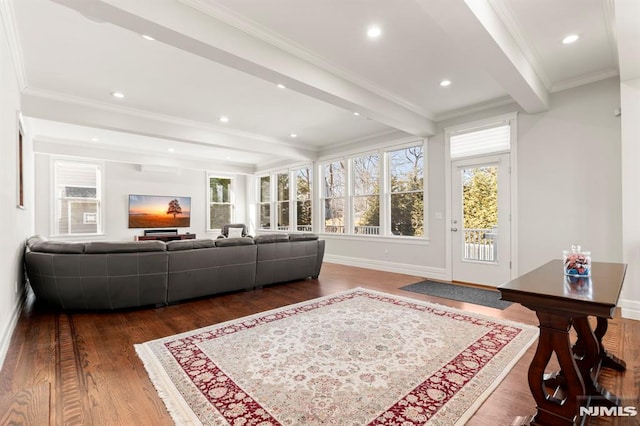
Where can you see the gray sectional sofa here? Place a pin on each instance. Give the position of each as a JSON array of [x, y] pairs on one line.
[[115, 275]]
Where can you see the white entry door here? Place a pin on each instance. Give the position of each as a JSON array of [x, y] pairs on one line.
[[480, 220]]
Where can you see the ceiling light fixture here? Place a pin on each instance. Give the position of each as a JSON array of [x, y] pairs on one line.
[[293, 135], [95, 140], [224, 119], [171, 150], [281, 86], [571, 38], [118, 95], [374, 31], [148, 37], [356, 113], [445, 83]]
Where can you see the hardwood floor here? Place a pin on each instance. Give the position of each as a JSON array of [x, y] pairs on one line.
[[82, 369]]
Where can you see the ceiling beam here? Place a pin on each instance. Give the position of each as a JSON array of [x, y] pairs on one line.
[[486, 42], [190, 30], [92, 114], [627, 13]]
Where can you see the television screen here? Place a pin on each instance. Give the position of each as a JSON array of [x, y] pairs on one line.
[[158, 211]]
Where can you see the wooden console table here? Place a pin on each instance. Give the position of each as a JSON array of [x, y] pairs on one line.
[[560, 303], [166, 237]]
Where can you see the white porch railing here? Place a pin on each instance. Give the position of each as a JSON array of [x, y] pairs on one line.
[[360, 230], [481, 244]]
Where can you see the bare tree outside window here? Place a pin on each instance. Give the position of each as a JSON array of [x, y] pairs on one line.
[[303, 199], [333, 194], [220, 206], [366, 199], [406, 174]]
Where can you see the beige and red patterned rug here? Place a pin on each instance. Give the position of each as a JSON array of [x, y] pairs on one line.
[[355, 358]]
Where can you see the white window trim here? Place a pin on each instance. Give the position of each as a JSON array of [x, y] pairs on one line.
[[232, 184], [384, 191], [53, 199]]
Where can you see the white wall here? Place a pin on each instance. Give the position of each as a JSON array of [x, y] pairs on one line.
[[15, 224], [569, 177], [630, 101], [122, 179], [569, 188]]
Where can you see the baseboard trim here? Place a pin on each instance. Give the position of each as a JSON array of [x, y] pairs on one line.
[[399, 268], [7, 334], [630, 309]]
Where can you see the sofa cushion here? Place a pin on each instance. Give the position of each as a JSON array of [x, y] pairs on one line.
[[227, 242], [102, 247], [57, 247], [303, 237], [189, 244], [34, 240], [270, 238]]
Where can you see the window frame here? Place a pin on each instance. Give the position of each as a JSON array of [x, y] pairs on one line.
[[231, 203], [384, 193], [55, 199], [291, 202]]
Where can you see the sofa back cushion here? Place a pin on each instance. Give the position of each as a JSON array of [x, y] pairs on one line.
[[57, 247], [189, 244], [102, 247], [229, 242], [307, 236], [270, 238]]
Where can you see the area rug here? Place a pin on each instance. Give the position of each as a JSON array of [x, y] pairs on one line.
[[355, 358], [461, 293]]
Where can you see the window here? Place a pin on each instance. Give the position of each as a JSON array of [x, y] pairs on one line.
[[77, 189], [366, 199], [303, 178], [406, 191], [333, 197], [220, 202], [282, 201], [264, 202]]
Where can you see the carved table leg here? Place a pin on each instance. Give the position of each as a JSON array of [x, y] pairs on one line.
[[608, 359], [559, 407]]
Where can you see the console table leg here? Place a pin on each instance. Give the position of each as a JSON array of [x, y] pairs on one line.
[[561, 406], [608, 359]]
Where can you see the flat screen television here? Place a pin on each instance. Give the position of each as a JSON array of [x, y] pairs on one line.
[[159, 211]]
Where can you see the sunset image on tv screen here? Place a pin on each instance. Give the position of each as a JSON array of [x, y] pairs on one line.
[[156, 211]]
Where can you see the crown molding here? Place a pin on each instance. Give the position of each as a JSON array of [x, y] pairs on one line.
[[105, 106], [508, 18], [479, 107], [8, 17], [229, 17], [584, 79]]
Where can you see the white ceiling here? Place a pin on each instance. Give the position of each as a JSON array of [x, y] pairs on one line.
[[225, 57]]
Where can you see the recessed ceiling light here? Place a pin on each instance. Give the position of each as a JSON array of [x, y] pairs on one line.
[[118, 95], [281, 86], [374, 31], [171, 150], [227, 158], [293, 135], [95, 140], [224, 119], [445, 83], [571, 38], [148, 37], [356, 113]]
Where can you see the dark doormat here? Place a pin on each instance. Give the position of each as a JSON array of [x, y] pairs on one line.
[[460, 293]]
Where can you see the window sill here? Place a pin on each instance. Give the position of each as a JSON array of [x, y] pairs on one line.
[[418, 241]]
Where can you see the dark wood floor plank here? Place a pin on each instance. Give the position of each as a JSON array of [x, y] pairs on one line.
[[97, 378]]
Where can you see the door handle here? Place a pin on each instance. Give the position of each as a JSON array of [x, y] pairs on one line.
[[454, 229]]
